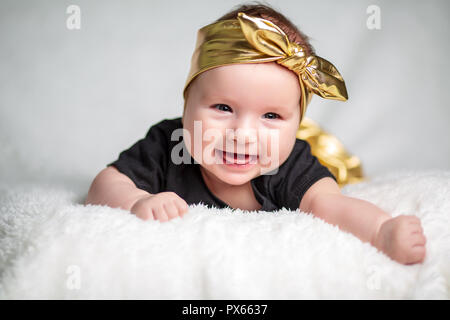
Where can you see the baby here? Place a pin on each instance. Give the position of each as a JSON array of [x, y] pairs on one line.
[[252, 76]]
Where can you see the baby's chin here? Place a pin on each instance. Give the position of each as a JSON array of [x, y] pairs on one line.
[[233, 178]]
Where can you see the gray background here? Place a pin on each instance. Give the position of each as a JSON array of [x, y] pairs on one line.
[[71, 100]]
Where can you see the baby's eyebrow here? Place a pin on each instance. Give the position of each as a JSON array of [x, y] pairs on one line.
[[219, 99], [280, 108], [275, 107]]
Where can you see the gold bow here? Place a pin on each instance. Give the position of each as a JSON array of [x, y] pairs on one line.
[[255, 40]]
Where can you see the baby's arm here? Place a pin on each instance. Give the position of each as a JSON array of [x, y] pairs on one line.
[[114, 189], [401, 238]]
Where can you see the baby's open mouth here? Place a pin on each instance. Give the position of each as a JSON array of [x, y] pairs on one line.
[[237, 158]]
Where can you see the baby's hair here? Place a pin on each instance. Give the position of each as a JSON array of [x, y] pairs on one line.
[[264, 11]]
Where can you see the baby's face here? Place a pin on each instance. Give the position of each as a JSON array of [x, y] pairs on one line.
[[250, 111]]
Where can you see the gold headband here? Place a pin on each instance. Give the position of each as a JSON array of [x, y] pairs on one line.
[[255, 40]]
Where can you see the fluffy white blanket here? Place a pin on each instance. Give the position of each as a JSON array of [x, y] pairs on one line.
[[52, 247]]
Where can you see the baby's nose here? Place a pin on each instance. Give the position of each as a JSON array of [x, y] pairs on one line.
[[242, 135]]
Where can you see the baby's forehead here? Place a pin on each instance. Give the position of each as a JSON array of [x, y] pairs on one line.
[[264, 79]]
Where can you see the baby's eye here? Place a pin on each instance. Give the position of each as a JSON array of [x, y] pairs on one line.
[[272, 115], [222, 107]]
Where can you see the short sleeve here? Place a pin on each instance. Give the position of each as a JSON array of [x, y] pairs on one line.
[[302, 170], [145, 163]]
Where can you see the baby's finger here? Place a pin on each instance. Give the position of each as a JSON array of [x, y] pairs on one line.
[[147, 215], [417, 254], [413, 220], [160, 214], [182, 207], [417, 229], [171, 210], [418, 239], [143, 212]]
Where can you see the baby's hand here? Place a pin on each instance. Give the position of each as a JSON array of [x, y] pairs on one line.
[[402, 239], [162, 206]]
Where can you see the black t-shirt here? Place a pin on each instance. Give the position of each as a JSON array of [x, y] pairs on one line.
[[148, 164]]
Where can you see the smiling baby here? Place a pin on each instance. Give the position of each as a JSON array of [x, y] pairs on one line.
[[252, 76]]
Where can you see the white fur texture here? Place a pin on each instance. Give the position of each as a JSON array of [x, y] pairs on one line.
[[52, 247]]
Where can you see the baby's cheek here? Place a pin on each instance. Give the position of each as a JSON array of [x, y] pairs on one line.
[[279, 149], [187, 138]]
